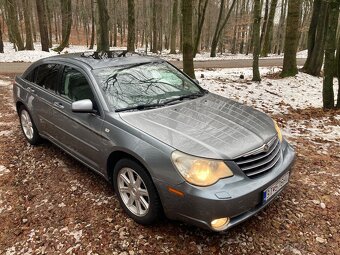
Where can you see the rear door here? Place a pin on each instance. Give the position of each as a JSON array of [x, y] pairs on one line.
[[79, 133], [42, 83]]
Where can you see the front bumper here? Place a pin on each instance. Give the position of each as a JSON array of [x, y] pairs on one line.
[[238, 197]]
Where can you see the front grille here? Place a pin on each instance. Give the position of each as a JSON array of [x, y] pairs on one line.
[[259, 163]]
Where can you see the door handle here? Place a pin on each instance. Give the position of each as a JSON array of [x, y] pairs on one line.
[[58, 105], [31, 90]]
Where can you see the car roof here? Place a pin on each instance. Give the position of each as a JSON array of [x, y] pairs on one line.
[[96, 63]]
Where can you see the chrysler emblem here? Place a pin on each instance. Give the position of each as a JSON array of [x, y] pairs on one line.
[[265, 147]]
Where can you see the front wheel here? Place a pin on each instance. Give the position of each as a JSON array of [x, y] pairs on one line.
[[28, 127], [136, 192]]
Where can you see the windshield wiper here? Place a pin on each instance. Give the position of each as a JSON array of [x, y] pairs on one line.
[[140, 107], [189, 96]]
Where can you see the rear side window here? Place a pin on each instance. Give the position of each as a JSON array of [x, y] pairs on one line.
[[46, 76]]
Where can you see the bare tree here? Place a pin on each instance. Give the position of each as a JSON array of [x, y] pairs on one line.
[[131, 26], [42, 20], [174, 27], [188, 63], [330, 63], [256, 40], [202, 7], [269, 29], [13, 25], [316, 38], [292, 39], [220, 26], [66, 19], [28, 30], [92, 26], [1, 41], [103, 43]]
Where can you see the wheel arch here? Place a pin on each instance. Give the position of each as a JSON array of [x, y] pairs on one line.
[[117, 155]]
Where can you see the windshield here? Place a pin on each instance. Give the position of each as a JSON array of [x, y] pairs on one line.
[[144, 84]]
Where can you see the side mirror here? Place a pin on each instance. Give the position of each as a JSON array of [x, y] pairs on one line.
[[196, 81], [83, 106]]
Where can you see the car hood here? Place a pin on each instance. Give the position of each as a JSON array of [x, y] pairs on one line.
[[210, 126]]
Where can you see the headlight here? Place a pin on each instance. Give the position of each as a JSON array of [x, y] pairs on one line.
[[278, 130], [200, 171]]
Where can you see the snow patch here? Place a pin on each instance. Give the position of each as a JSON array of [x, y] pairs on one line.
[[3, 170], [271, 94]]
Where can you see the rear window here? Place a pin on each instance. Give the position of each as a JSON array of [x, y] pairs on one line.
[[46, 76]]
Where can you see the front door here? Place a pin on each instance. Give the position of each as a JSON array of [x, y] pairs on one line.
[[79, 133]]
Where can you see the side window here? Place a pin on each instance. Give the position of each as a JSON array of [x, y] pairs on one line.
[[75, 86], [31, 75], [46, 76]]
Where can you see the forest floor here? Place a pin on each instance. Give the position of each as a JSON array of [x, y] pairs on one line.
[[50, 203]]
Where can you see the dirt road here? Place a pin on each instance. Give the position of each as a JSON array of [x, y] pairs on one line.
[[17, 67]]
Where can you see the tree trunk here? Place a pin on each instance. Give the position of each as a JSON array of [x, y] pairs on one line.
[[219, 27], [201, 18], [265, 21], [131, 26], [49, 30], [281, 30], [93, 26], [256, 40], [174, 27], [338, 71], [154, 26], [330, 63], [292, 39], [103, 27], [42, 20], [269, 30], [66, 19], [188, 62], [28, 30], [316, 38], [13, 25], [1, 41]]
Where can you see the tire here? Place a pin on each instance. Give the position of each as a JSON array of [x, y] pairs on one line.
[[28, 127], [140, 199]]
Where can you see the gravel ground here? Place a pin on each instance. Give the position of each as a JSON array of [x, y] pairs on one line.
[[51, 204]]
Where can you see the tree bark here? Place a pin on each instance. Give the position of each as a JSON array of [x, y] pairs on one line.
[[66, 19], [154, 26], [103, 27], [330, 63], [13, 25], [174, 27], [92, 26], [269, 30], [188, 63], [292, 39], [1, 41], [131, 26], [42, 20], [28, 30], [316, 38], [338, 72], [219, 27], [256, 40], [200, 22], [265, 21]]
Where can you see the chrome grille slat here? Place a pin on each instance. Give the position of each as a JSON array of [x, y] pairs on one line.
[[253, 165], [263, 161], [258, 156], [273, 163]]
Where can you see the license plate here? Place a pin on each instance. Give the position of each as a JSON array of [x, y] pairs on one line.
[[275, 187]]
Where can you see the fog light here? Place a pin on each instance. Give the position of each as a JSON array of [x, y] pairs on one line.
[[220, 224]]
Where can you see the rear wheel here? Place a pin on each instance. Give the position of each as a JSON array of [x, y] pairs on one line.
[[136, 192], [28, 127]]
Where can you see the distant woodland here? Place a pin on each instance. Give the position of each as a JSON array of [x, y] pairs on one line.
[[260, 27]]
